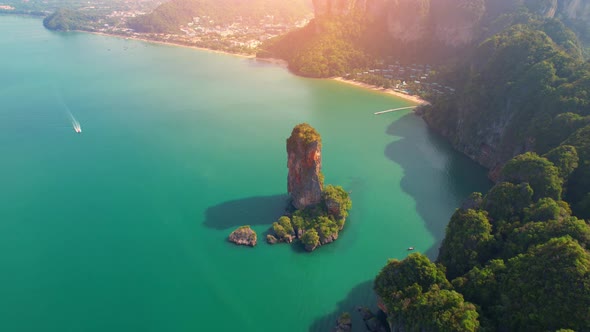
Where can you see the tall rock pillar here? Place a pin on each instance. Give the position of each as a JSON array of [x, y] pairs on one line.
[[304, 151]]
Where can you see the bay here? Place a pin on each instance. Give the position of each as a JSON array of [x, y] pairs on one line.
[[123, 227]]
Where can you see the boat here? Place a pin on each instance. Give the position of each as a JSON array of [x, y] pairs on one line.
[[410, 248]]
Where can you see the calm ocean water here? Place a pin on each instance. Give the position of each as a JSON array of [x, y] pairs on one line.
[[123, 227]]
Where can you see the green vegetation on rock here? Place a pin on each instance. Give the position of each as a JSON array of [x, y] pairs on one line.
[[310, 239], [337, 202], [467, 242], [565, 158], [283, 230], [325, 219], [305, 133], [506, 201], [418, 297], [538, 172]]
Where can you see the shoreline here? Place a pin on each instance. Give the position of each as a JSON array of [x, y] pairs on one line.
[[411, 98], [143, 39], [278, 62], [152, 41]]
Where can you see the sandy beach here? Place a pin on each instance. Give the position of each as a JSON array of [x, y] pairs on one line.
[[147, 40], [414, 99]]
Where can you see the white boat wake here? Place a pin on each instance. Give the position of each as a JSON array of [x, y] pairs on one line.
[[75, 123]]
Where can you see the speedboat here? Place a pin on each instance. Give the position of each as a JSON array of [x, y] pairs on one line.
[[410, 248]]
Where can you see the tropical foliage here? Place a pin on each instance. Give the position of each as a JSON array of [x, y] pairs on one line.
[[418, 297], [517, 258]]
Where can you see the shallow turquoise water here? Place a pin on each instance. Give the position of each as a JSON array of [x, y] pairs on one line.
[[123, 227]]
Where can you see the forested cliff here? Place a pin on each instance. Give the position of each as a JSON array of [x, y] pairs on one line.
[[524, 89], [450, 22], [348, 34]]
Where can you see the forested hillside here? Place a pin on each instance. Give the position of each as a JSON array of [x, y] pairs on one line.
[[525, 89], [169, 16], [515, 258], [67, 19]]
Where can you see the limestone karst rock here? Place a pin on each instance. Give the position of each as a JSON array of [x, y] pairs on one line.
[[244, 236], [304, 182]]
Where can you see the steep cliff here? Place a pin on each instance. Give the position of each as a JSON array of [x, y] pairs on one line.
[[347, 7], [408, 20], [448, 22], [563, 9], [575, 13], [304, 182], [510, 93], [456, 21], [318, 213]]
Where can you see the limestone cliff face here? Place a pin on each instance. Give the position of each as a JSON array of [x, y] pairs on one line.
[[304, 182], [576, 9], [346, 7], [408, 20], [446, 22], [456, 21], [490, 143], [565, 9]]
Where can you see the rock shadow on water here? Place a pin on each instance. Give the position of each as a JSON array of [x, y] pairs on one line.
[[253, 211], [435, 175], [361, 295]]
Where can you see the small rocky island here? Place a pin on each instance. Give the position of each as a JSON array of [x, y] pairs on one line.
[[244, 236], [316, 214]]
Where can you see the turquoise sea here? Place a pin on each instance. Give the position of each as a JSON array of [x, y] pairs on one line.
[[123, 227]]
